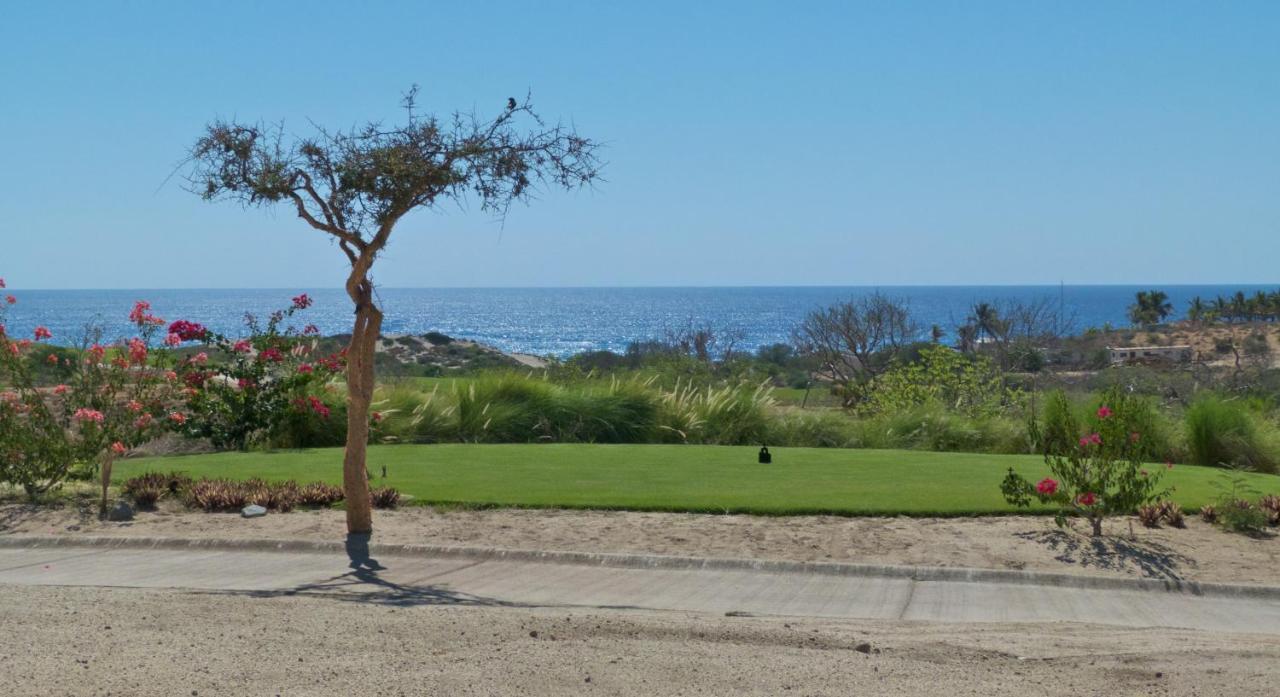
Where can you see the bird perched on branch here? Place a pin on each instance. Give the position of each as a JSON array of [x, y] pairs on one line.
[[511, 103]]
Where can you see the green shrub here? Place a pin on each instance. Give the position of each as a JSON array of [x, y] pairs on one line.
[[1102, 473], [310, 428], [505, 408], [813, 429], [731, 415], [1221, 432]]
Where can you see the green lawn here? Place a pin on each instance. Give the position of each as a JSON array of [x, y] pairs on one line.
[[673, 477]]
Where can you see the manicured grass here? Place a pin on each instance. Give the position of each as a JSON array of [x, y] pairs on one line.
[[673, 477]]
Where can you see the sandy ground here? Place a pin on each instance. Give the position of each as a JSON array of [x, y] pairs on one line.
[[1200, 552], [86, 641]]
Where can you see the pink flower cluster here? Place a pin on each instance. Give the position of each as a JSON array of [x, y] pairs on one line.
[[316, 405], [1047, 486], [85, 415], [42, 332], [301, 302], [1088, 498], [188, 331], [1091, 439], [137, 351], [141, 315]]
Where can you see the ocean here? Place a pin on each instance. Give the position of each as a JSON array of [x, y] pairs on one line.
[[564, 321]]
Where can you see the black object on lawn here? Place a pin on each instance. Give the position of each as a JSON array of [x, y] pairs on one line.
[[765, 456]]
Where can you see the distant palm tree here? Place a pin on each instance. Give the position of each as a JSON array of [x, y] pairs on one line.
[[967, 338], [1160, 304], [1239, 306], [985, 319], [1197, 310], [1150, 307]]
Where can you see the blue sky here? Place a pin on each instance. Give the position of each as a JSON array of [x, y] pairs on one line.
[[748, 143]]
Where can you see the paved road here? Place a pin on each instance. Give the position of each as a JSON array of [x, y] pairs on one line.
[[410, 580]]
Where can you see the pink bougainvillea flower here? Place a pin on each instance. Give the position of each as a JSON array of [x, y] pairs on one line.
[[246, 383], [377, 416], [96, 352], [272, 354], [13, 348], [170, 375], [134, 405], [1095, 439], [52, 359], [60, 389], [1104, 411], [1047, 486], [1088, 498], [139, 311], [172, 339], [310, 329], [143, 421], [141, 314], [242, 346], [85, 415], [318, 406], [11, 300], [188, 331], [42, 332], [201, 357], [301, 302], [137, 351], [178, 418], [1084, 441], [118, 448], [305, 368]]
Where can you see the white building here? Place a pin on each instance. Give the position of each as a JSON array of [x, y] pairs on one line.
[[1150, 354]]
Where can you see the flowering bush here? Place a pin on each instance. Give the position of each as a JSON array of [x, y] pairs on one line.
[[1100, 472], [237, 390], [109, 403]]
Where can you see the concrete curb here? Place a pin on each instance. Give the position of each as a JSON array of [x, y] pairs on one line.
[[653, 561]]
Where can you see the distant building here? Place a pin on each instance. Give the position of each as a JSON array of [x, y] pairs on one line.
[[1150, 354]]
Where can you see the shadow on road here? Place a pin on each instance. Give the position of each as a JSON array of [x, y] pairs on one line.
[[364, 584], [1150, 559]]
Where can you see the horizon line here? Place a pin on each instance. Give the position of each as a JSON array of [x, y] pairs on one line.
[[294, 289]]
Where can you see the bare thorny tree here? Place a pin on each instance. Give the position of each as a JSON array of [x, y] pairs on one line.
[[857, 339], [356, 185]]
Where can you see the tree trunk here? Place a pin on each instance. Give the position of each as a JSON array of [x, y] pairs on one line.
[[1096, 522], [107, 461], [360, 379]]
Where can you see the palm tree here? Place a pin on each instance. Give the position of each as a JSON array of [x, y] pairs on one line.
[[1160, 304], [1221, 307], [967, 338], [1197, 310], [985, 319], [1239, 306], [1150, 307]]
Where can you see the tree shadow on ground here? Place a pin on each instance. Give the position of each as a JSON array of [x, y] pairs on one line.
[[14, 514], [1150, 559], [363, 584]]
